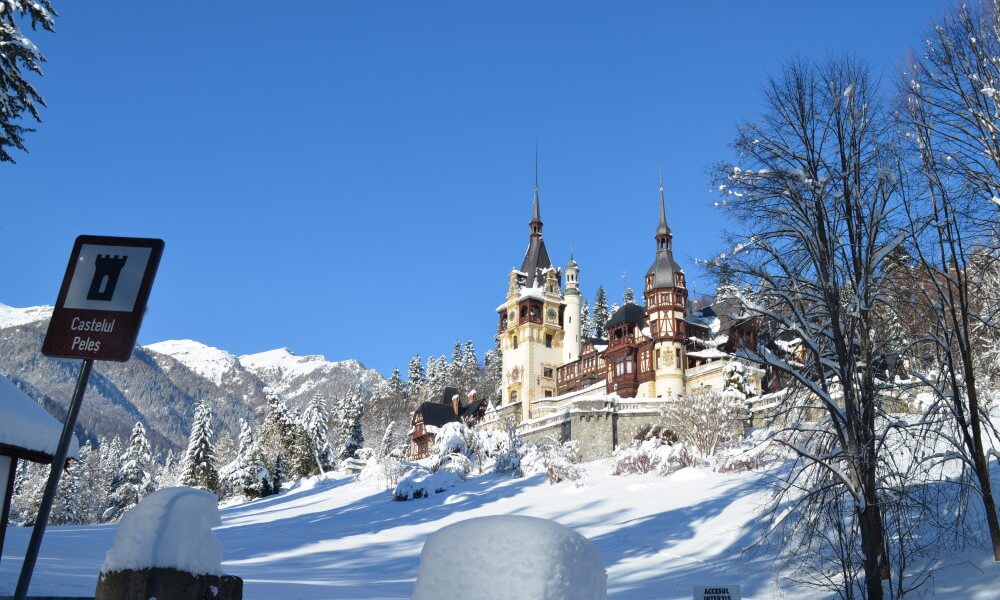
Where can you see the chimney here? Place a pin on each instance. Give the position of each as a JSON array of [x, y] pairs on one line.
[[456, 402]]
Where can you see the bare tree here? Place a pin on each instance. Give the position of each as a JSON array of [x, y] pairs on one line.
[[951, 116], [815, 197]]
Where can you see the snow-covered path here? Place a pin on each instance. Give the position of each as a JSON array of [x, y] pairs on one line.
[[335, 538]]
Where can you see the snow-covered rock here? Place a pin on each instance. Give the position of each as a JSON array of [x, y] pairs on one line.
[[211, 363], [15, 317], [510, 557], [25, 424], [170, 528]]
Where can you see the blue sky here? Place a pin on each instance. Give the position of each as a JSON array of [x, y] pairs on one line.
[[354, 178]]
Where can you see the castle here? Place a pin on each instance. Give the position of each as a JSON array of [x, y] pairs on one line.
[[600, 390]]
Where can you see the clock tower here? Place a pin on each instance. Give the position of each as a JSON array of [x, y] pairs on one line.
[[666, 299], [531, 328]]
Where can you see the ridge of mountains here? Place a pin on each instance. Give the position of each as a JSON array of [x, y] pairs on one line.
[[163, 382]]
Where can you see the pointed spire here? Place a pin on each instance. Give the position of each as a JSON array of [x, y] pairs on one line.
[[536, 215], [662, 228]]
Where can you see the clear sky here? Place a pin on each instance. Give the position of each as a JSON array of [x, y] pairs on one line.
[[354, 178]]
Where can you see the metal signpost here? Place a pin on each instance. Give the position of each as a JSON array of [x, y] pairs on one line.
[[96, 317]]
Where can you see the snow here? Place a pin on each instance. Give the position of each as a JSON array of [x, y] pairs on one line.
[[510, 557], [335, 537], [25, 424], [15, 317], [708, 353], [282, 366], [170, 528], [211, 363]]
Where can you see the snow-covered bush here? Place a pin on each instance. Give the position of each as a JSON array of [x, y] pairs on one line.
[[708, 420], [504, 447], [421, 483], [556, 460], [653, 454]]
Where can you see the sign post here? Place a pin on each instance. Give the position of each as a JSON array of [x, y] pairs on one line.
[[96, 317]]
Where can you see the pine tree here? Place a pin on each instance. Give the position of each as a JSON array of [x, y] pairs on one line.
[[135, 479], [416, 379], [248, 476], [601, 314], [470, 366], [492, 376], [199, 460], [18, 98], [586, 325], [314, 420], [629, 296], [355, 439]]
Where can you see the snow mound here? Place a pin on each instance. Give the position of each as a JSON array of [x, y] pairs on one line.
[[25, 424], [512, 557], [170, 528], [15, 317], [211, 363]]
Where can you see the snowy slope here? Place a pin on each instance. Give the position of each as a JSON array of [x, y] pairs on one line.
[[211, 363], [294, 376], [336, 538], [15, 317]]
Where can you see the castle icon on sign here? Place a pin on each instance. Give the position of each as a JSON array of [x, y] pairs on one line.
[[107, 268]]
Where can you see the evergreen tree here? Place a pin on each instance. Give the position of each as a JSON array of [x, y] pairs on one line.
[[199, 460], [586, 325], [354, 439], [67, 507], [135, 479], [314, 420], [629, 296], [437, 377], [18, 98], [284, 435], [492, 376], [601, 315], [470, 366], [248, 476], [416, 379]]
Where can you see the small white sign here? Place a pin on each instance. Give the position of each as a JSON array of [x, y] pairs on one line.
[[107, 277], [717, 592]]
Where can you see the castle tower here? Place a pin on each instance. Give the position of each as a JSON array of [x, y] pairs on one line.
[[571, 316], [666, 298], [531, 323]]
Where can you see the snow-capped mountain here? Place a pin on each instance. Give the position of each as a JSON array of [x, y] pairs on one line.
[[164, 381], [13, 317], [211, 363]]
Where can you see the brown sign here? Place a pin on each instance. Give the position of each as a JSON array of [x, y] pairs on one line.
[[103, 298]]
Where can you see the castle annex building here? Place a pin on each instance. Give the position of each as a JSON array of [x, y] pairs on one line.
[[559, 383]]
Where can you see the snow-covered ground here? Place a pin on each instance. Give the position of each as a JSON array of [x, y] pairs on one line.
[[334, 537]]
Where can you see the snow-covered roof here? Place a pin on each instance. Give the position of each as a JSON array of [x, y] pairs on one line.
[[24, 425], [708, 353]]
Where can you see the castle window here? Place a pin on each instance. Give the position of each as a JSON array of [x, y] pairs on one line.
[[678, 362], [547, 372], [548, 393], [548, 340], [515, 342], [513, 396]]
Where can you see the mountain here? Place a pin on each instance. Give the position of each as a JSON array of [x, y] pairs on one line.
[[163, 382]]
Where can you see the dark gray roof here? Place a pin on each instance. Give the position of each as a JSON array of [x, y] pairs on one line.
[[436, 414], [663, 269], [449, 393], [664, 266], [536, 257], [631, 313]]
